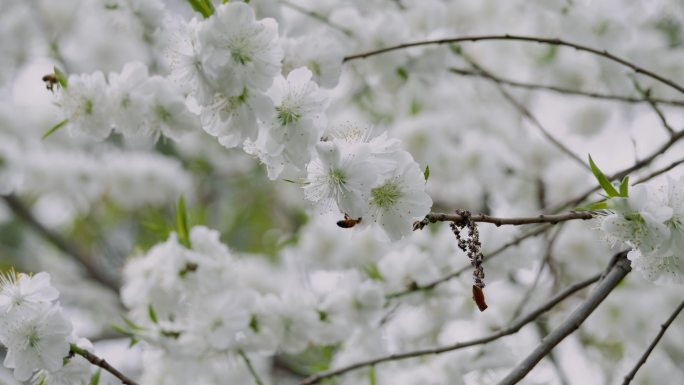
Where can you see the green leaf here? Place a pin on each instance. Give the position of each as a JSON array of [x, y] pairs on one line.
[[426, 173], [601, 205], [54, 128], [152, 314], [603, 180], [624, 187], [401, 72], [182, 223], [95, 379], [61, 77], [371, 375], [373, 272], [132, 325], [205, 7]]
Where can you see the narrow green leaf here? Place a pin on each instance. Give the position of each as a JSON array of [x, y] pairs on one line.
[[152, 314], [371, 375], [205, 7], [95, 379], [373, 272], [426, 173], [61, 77], [182, 223], [601, 205], [624, 187], [604, 182], [132, 325], [54, 128]]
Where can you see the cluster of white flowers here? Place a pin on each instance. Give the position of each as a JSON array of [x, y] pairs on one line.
[[229, 65], [651, 222], [204, 304], [79, 178], [131, 103], [36, 333], [370, 178]]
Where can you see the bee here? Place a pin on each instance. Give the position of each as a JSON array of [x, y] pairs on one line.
[[478, 297], [348, 222], [50, 81]]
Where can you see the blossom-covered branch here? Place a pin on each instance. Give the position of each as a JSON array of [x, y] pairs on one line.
[[100, 362], [630, 376], [512, 329], [533, 39]]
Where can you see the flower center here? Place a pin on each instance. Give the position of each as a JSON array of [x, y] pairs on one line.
[[386, 195], [240, 57], [287, 115], [33, 338]]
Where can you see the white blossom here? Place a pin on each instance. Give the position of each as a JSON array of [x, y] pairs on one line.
[[238, 51], [36, 341], [400, 199], [84, 104], [343, 174]]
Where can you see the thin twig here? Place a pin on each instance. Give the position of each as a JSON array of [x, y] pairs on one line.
[[317, 16], [515, 221], [253, 371], [567, 91], [530, 290], [100, 362], [527, 113], [646, 93], [573, 322], [512, 329], [659, 171], [630, 376], [534, 39], [23, 212]]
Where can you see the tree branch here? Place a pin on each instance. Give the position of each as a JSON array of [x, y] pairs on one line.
[[566, 91], [512, 329], [97, 361], [552, 219], [620, 269], [23, 212], [630, 376], [534, 39]]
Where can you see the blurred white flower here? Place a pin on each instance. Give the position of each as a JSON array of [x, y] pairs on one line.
[[167, 113], [84, 104], [128, 103]]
